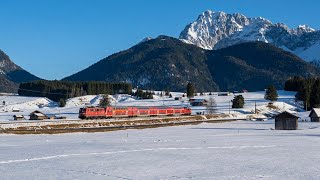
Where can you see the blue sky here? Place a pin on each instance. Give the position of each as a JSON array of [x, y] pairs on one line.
[[56, 38]]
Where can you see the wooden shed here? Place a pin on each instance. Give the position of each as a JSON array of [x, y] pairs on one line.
[[18, 117], [315, 115], [286, 121], [37, 115]]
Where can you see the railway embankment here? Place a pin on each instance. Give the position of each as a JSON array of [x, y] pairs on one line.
[[102, 125]]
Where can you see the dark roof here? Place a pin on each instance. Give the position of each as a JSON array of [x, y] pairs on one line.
[[286, 114], [200, 100], [37, 113]]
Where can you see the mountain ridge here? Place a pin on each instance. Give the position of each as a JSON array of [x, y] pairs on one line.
[[11, 74], [216, 30], [168, 63]]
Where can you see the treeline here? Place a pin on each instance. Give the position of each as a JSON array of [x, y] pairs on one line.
[[308, 90], [57, 90], [143, 94]]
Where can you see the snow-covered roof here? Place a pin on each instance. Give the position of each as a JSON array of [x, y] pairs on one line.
[[316, 111], [38, 114]]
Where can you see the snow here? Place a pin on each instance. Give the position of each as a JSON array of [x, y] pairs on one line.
[[26, 105], [234, 150], [310, 54], [216, 30], [231, 150]]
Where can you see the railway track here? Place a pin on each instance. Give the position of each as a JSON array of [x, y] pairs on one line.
[[102, 126]]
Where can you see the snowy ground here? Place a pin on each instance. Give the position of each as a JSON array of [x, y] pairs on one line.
[[28, 104], [234, 150]]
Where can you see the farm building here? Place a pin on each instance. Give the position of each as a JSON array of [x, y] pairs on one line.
[[37, 115], [18, 117], [286, 121], [224, 94], [199, 102], [315, 115]]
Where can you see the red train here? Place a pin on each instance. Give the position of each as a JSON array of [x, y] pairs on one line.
[[109, 112]]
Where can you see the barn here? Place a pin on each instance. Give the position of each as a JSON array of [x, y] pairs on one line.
[[286, 121], [37, 115], [315, 115]]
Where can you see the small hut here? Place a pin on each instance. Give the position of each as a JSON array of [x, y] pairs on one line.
[[18, 117], [286, 121], [315, 115], [37, 115]]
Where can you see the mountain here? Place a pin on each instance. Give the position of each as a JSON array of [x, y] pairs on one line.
[[168, 63], [255, 65], [216, 30], [161, 63], [11, 74]]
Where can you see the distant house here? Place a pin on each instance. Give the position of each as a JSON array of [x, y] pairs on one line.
[[15, 110], [224, 93], [315, 115], [244, 91], [286, 121], [18, 117], [37, 115], [199, 102]]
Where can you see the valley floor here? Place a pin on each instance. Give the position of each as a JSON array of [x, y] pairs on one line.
[[233, 150]]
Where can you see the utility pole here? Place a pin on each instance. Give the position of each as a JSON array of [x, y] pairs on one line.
[[163, 94], [255, 107]]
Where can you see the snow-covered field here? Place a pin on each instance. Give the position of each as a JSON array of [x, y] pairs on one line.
[[233, 150], [28, 104]]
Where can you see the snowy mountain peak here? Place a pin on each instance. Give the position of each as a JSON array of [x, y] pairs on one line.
[[215, 30], [302, 29], [145, 40], [211, 27]]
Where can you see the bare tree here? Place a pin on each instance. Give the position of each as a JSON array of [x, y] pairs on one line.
[[211, 106]]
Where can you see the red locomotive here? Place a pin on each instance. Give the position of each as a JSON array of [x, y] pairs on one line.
[[109, 112]]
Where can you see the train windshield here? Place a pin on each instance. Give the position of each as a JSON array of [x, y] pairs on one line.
[[82, 110]]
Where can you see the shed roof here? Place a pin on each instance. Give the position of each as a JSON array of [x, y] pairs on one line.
[[286, 114], [316, 111], [18, 116]]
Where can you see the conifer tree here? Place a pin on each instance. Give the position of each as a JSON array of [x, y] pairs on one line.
[[238, 101], [62, 102], [271, 94], [315, 94], [190, 90], [104, 101]]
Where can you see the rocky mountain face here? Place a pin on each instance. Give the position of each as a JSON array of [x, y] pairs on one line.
[[168, 63], [216, 30], [11, 74]]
